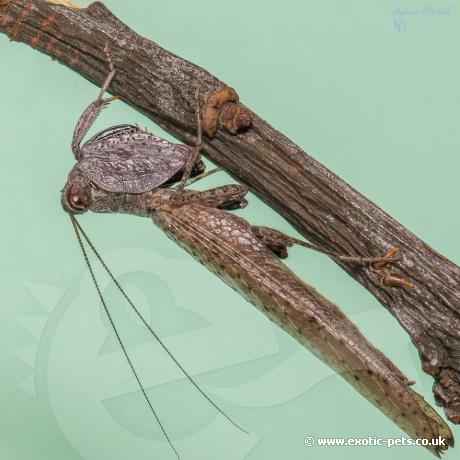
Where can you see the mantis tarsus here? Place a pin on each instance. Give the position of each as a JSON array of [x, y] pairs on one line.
[[125, 169]]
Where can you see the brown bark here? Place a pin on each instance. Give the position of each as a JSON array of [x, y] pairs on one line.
[[319, 204]]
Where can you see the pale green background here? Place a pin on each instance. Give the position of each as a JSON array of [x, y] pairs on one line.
[[377, 106]]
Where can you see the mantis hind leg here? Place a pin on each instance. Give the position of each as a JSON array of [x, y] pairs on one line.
[[278, 242], [194, 158]]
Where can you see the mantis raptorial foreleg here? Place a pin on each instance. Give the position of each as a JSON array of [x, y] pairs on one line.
[[90, 114]]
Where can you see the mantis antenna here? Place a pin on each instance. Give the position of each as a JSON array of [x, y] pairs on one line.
[[79, 233]]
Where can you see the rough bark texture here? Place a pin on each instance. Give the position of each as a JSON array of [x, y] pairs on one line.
[[318, 203]]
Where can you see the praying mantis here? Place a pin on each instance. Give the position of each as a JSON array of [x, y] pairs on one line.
[[126, 169]]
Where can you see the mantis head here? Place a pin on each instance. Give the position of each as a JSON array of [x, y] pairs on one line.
[[76, 194]]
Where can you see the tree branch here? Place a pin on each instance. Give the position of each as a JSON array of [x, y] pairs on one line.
[[319, 204]]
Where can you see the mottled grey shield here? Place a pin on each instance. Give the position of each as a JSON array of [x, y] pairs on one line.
[[125, 159]]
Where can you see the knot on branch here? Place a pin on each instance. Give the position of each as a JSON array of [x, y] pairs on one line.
[[235, 118], [222, 108]]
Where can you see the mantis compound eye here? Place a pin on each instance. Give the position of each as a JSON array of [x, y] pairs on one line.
[[77, 198]]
